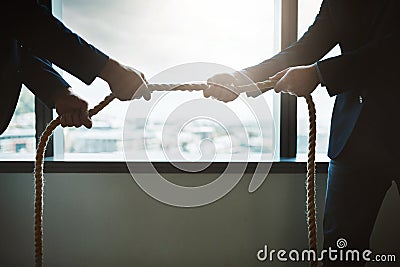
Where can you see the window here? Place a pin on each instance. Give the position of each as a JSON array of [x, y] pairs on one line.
[[153, 36], [18, 141], [308, 9]]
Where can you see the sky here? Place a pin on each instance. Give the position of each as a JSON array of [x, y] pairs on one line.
[[153, 35]]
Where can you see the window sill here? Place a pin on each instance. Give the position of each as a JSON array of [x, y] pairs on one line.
[[290, 165]]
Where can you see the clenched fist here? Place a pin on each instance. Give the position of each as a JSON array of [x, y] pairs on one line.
[[125, 82], [298, 81], [72, 109]]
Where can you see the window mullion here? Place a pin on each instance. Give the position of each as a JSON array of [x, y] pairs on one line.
[[288, 123], [43, 114]]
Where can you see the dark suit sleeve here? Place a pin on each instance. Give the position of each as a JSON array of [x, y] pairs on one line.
[[371, 66], [319, 39], [39, 76], [38, 30]]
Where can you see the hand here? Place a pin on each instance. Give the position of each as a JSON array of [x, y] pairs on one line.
[[72, 109], [298, 81], [222, 87], [125, 82]]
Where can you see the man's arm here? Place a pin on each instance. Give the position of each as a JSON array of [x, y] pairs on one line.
[[47, 84], [320, 38], [39, 76], [45, 36]]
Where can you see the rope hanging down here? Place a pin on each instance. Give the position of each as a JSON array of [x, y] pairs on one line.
[[262, 86]]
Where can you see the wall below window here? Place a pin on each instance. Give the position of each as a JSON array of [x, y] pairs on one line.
[[106, 220]]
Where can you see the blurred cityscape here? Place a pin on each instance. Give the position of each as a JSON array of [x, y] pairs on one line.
[[147, 140], [19, 137], [197, 141]]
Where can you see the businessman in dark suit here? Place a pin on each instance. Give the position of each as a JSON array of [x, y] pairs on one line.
[[31, 40], [364, 145]]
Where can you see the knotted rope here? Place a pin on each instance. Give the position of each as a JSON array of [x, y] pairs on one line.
[[262, 86]]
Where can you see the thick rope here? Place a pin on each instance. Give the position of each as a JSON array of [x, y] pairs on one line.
[[44, 138], [262, 86], [310, 183]]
